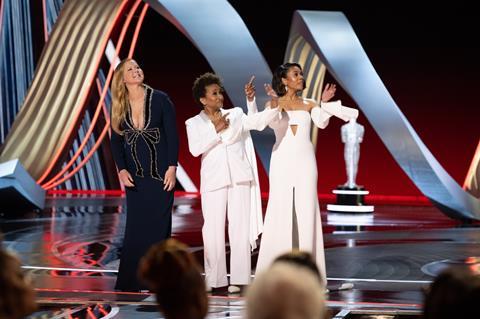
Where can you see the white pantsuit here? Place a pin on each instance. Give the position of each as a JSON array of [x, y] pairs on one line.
[[233, 201], [229, 188]]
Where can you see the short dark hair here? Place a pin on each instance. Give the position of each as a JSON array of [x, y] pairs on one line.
[[281, 72], [201, 83]]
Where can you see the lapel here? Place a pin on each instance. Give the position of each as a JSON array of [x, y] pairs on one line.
[[205, 117]]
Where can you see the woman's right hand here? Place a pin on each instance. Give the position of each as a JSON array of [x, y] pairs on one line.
[[221, 123], [273, 96], [125, 178], [250, 89]]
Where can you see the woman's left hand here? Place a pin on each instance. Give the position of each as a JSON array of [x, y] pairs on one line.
[[328, 92], [170, 178]]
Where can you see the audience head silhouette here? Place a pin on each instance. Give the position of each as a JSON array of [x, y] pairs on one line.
[[170, 270], [17, 297], [286, 291], [453, 294], [302, 259]]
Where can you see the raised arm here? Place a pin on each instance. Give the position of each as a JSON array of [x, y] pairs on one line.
[[258, 121], [337, 109], [250, 96], [321, 115], [252, 106], [273, 104]]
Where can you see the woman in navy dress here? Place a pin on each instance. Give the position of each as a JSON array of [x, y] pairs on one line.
[[144, 145]]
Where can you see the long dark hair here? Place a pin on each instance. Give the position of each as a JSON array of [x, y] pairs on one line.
[[281, 72]]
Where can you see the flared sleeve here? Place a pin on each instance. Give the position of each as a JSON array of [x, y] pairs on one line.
[[321, 115]]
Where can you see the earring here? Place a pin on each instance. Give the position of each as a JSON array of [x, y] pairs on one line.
[[286, 88]]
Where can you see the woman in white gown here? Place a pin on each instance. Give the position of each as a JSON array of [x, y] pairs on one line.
[[293, 213]]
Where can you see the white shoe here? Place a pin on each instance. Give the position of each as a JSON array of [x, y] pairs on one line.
[[342, 287], [346, 286], [150, 298], [233, 289]]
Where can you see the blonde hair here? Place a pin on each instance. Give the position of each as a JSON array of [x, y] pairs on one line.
[[286, 291], [119, 97]]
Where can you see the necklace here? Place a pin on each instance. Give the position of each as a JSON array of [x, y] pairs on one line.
[[214, 116]]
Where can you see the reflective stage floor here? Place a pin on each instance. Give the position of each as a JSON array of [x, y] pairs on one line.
[[71, 251]]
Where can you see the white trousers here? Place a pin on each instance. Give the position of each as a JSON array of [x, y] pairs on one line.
[[234, 202]]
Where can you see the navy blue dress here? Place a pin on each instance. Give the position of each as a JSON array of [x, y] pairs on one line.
[[146, 154]]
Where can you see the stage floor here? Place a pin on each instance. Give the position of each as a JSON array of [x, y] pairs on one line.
[[71, 251]]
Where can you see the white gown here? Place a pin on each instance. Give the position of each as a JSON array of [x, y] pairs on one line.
[[293, 186]]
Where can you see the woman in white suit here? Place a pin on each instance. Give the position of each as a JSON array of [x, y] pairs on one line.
[[229, 179]]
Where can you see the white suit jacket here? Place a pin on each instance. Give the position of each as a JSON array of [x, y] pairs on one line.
[[224, 158], [228, 157]]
